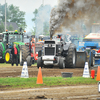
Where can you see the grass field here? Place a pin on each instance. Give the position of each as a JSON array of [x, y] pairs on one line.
[[14, 83], [9, 65]]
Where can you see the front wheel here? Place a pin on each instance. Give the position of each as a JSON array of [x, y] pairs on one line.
[[61, 63], [29, 60], [39, 62], [8, 56]]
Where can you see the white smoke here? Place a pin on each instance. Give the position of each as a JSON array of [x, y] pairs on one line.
[[43, 15], [73, 14]]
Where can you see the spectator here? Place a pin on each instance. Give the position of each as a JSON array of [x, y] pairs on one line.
[[14, 53]]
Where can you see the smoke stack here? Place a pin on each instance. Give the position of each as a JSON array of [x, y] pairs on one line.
[[50, 36]]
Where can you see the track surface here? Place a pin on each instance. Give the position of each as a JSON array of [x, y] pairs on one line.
[[33, 71], [51, 93], [54, 93]]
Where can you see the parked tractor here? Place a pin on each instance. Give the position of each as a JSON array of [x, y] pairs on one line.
[[34, 47], [9, 39], [57, 52]]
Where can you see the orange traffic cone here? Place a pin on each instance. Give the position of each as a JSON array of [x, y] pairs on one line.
[[98, 74], [39, 78]]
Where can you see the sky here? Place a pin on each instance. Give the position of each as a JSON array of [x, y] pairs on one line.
[[29, 6]]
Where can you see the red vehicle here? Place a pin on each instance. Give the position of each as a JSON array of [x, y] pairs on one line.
[[35, 47]]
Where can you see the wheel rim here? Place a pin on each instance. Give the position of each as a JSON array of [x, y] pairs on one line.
[[74, 57], [7, 57]]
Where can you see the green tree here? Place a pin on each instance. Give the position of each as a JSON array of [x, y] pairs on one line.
[[2, 28], [46, 28], [2, 12], [33, 31], [41, 20], [10, 28], [13, 14], [35, 15]]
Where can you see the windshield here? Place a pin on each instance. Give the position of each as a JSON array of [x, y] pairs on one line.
[[15, 38]]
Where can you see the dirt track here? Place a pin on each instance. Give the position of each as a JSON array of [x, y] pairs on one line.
[[52, 93], [89, 92], [33, 71]]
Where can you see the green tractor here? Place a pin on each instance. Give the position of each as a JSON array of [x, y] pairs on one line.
[[8, 39]]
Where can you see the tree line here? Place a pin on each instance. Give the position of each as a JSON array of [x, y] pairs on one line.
[[13, 14]]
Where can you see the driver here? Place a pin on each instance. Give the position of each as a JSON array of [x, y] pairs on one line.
[[59, 36]]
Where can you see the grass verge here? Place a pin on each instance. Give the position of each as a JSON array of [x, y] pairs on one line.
[[9, 65], [17, 83]]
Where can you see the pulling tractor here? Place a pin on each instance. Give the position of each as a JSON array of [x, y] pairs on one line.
[[57, 52], [8, 39]]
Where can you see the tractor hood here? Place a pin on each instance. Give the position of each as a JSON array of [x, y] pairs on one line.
[[19, 43], [93, 36]]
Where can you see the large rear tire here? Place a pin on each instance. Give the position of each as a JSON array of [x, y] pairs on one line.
[[8, 56], [91, 60], [1, 54], [24, 53], [71, 57], [61, 63], [1, 57]]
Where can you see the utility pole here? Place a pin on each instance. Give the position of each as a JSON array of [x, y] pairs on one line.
[[5, 15]]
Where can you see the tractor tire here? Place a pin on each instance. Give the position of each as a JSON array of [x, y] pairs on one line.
[[61, 63], [8, 56], [91, 61], [1, 54], [24, 53], [29, 61], [71, 57], [39, 62]]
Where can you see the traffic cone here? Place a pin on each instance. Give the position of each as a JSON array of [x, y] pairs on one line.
[[39, 78], [86, 73], [24, 73], [98, 74]]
